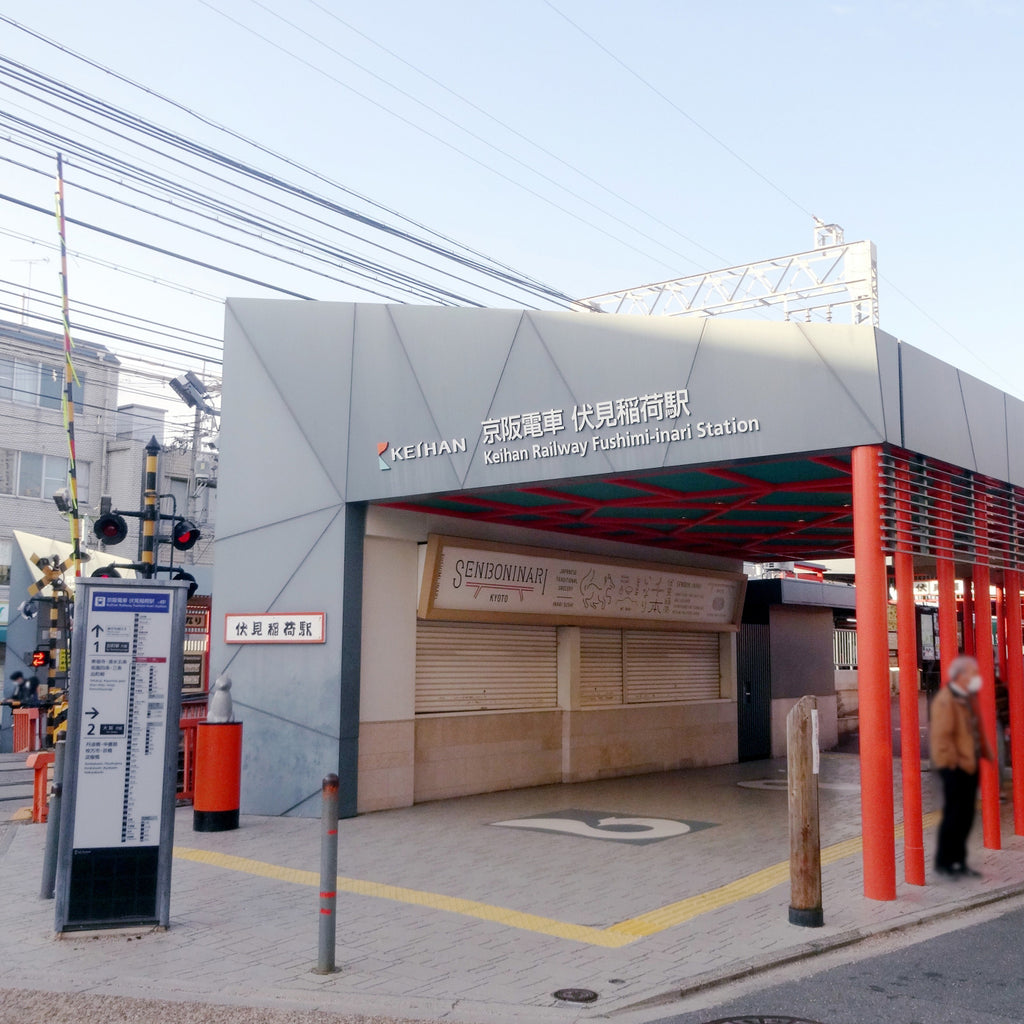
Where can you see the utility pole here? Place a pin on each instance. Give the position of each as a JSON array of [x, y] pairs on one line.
[[191, 505]]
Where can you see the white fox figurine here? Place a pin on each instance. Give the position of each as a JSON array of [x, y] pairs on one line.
[[220, 709]]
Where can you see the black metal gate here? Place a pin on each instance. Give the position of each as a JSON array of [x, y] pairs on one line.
[[754, 697]]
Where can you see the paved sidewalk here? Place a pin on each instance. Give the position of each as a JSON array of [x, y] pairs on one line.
[[15, 787], [442, 914]]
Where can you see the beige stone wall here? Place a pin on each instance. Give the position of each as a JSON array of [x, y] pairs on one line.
[[849, 700], [464, 754], [386, 765], [434, 758], [828, 726], [632, 740]]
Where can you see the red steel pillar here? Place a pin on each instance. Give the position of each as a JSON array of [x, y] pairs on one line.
[[945, 575], [910, 732], [983, 652], [969, 644], [1001, 664], [1015, 686], [873, 678]]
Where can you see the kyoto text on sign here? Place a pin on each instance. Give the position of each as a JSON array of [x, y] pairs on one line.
[[503, 581]]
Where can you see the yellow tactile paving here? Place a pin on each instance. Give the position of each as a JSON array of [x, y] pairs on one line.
[[612, 937], [760, 881], [452, 904]]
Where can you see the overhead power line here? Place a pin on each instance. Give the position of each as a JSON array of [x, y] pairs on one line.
[[268, 151], [647, 83]]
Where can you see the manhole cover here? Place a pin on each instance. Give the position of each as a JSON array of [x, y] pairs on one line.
[[576, 995], [758, 1018]]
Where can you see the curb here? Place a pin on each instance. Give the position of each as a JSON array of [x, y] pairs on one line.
[[807, 950]]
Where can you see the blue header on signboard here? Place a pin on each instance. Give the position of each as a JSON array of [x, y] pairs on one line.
[[119, 601]]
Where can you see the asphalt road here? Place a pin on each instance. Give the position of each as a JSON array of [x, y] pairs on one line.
[[974, 975]]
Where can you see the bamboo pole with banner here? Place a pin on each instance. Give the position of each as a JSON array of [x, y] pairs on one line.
[[70, 377]]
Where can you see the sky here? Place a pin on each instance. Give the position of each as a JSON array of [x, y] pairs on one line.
[[591, 144]]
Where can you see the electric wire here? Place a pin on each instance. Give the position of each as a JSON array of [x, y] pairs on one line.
[[65, 144], [433, 135], [754, 170], [675, 106], [514, 131], [54, 88], [461, 127], [254, 144]]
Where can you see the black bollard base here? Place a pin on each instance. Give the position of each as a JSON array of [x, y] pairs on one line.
[[214, 821], [813, 917]]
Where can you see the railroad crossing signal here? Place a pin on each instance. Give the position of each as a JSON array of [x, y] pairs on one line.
[[53, 574]]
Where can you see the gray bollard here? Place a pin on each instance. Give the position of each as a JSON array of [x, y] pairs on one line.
[[328, 877], [53, 825]]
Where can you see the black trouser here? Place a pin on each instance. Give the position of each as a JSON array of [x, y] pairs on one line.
[[960, 790]]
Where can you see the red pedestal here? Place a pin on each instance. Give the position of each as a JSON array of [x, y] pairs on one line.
[[218, 776]]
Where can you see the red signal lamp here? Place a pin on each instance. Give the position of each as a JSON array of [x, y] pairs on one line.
[[110, 528], [184, 535]]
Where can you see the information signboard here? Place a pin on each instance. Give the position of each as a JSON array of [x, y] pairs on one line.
[[480, 581], [117, 813]]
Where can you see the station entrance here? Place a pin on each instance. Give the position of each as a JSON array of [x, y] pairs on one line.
[[641, 450]]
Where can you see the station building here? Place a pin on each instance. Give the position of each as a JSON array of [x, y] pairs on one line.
[[509, 544]]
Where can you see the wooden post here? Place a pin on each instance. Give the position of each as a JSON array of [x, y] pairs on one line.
[[804, 838]]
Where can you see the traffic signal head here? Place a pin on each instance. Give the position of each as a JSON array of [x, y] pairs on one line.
[[110, 528], [184, 534], [193, 586], [107, 572]]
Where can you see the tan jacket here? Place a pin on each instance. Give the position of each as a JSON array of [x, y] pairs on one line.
[[952, 734]]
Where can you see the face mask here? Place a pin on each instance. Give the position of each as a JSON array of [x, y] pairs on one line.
[[974, 686]]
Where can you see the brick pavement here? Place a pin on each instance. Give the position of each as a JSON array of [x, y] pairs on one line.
[[239, 937]]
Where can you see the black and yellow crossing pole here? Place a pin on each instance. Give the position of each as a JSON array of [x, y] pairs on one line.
[[52, 577], [150, 511], [51, 681]]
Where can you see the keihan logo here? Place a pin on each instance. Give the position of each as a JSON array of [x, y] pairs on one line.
[[419, 450]]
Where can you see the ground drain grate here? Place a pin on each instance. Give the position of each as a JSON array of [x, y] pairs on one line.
[[576, 995], [761, 1019]]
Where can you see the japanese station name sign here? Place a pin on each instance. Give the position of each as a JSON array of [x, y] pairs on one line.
[[275, 628], [656, 418], [478, 581]]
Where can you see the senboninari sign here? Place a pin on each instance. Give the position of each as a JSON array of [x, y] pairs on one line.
[[478, 581]]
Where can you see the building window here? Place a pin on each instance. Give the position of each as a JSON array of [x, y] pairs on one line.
[[38, 384], [32, 475]]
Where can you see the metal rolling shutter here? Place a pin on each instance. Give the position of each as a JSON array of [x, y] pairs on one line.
[[471, 666], [670, 666], [600, 667]]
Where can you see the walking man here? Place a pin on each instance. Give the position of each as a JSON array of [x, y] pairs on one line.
[[958, 742]]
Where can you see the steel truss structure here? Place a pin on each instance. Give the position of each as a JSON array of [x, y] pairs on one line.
[[836, 282]]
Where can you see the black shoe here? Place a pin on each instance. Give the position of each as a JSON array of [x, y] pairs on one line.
[[965, 872]]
